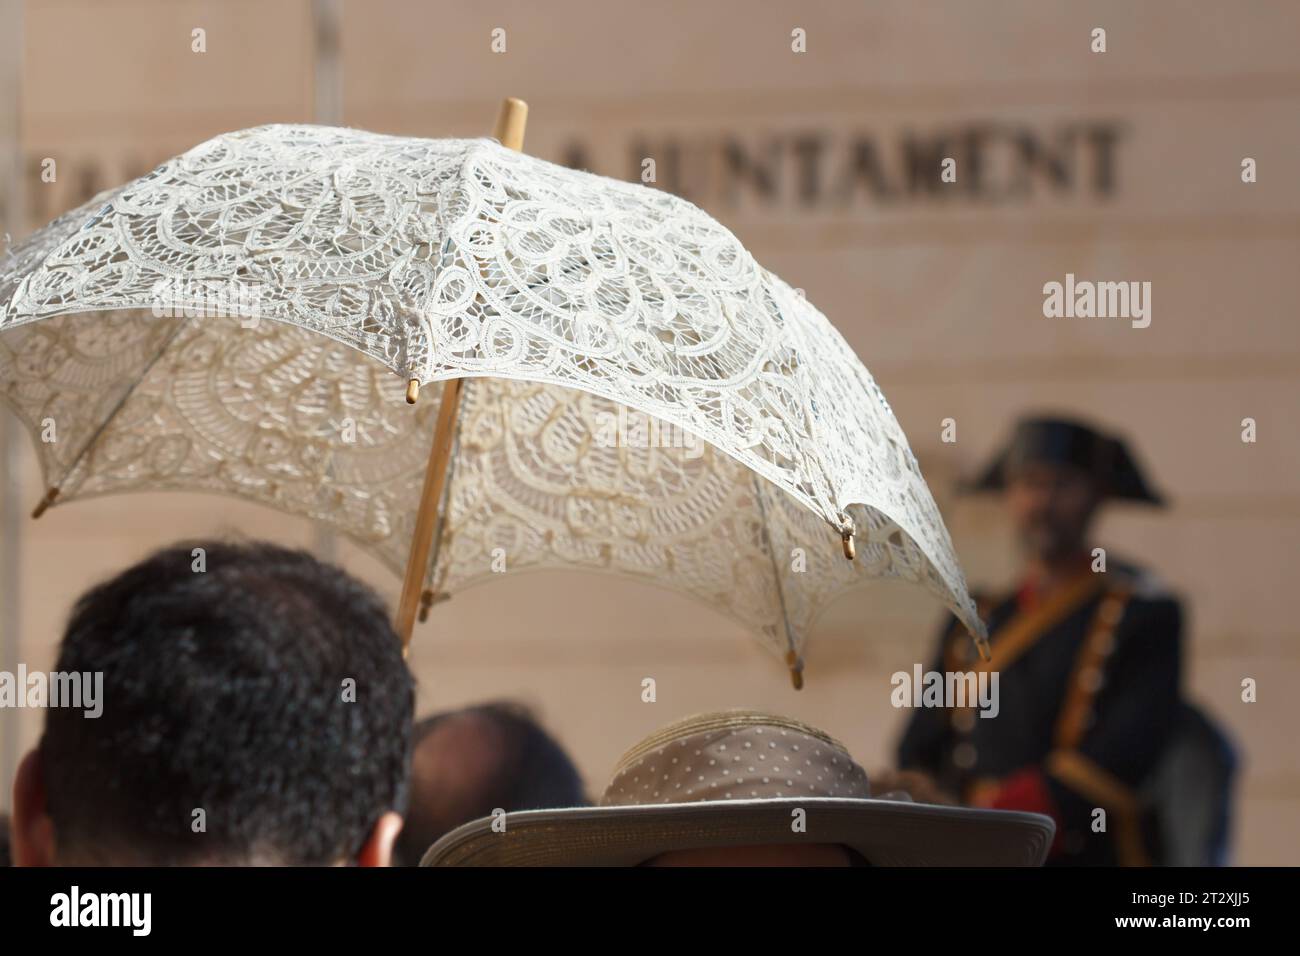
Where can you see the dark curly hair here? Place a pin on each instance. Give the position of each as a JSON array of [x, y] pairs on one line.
[[225, 690]]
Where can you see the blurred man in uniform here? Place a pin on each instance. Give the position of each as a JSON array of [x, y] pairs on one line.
[[1088, 655]]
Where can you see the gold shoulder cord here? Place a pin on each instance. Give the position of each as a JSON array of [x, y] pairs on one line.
[[1071, 767]]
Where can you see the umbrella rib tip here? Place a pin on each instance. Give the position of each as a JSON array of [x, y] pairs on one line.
[[45, 503], [850, 547]]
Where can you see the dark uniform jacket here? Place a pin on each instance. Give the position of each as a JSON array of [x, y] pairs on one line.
[[1089, 698]]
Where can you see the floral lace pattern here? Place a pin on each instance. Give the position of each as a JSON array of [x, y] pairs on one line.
[[565, 299]]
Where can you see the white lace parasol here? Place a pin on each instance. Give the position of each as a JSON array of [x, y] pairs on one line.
[[639, 395]]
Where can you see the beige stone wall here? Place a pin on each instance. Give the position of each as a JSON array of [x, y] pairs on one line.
[[939, 293]]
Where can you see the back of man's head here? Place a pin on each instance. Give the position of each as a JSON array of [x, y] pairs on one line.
[[256, 709], [468, 763]]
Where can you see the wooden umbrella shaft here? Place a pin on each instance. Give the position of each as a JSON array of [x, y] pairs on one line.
[[510, 133], [426, 521]]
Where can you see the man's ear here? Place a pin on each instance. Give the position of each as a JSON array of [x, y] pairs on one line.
[[31, 829], [378, 850]]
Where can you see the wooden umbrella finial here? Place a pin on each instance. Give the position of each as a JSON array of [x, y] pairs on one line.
[[511, 120]]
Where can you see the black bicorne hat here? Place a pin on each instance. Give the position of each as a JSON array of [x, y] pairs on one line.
[[1065, 442]]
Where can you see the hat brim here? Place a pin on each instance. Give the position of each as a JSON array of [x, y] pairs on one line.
[[1066, 441], [885, 832], [1128, 483]]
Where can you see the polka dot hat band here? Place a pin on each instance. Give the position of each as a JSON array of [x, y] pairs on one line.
[[738, 755]]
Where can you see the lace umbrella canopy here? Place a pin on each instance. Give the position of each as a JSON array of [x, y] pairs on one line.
[[638, 395]]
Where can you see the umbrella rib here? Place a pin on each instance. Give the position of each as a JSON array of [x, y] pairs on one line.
[[792, 655], [53, 491]]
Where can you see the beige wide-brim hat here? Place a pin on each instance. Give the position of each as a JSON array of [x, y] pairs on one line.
[[738, 779]]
